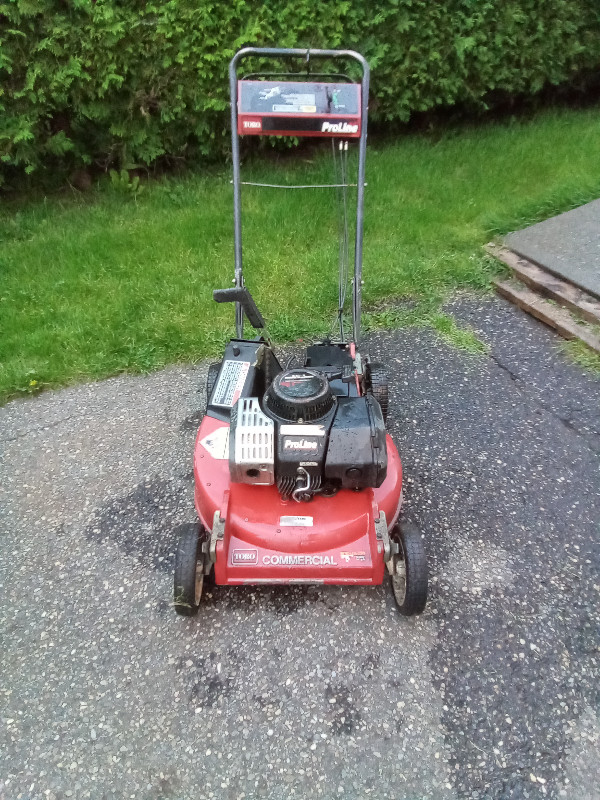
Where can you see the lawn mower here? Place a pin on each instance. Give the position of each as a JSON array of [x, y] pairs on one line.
[[296, 479]]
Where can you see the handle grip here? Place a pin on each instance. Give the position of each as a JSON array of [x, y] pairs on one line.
[[241, 295]]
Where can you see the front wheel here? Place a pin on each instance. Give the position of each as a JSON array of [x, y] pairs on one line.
[[189, 570], [409, 573]]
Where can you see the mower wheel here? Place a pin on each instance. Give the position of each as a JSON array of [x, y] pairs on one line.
[[211, 379], [409, 579], [378, 383], [189, 570]]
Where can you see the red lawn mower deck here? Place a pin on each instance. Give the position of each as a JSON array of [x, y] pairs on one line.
[[329, 540], [296, 479]]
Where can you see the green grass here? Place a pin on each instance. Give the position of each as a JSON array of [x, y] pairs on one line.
[[580, 354], [426, 313], [99, 284]]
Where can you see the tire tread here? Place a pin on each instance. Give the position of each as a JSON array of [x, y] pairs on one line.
[[378, 380], [416, 569], [184, 579], [211, 379]]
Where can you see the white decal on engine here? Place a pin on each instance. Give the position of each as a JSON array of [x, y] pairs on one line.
[[301, 444], [298, 429]]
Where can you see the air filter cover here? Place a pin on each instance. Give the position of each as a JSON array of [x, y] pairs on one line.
[[300, 394]]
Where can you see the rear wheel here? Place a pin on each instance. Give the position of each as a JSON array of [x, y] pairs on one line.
[[378, 383], [189, 570], [409, 576], [211, 379], [272, 368]]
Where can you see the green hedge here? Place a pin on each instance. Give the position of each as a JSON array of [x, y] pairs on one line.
[[126, 82]]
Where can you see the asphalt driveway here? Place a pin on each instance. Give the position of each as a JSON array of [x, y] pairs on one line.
[[310, 692]]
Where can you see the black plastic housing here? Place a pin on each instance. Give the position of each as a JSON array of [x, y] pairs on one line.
[[304, 446], [299, 395], [356, 454], [246, 370], [331, 359], [341, 446]]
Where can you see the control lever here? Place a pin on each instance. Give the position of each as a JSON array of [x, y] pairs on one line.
[[241, 295], [346, 375]]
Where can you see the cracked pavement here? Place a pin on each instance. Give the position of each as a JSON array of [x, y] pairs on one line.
[[310, 691]]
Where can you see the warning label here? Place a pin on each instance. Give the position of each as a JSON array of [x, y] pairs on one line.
[[217, 443], [231, 383], [296, 522]]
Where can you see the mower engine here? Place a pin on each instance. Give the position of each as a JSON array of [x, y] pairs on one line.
[[307, 439]]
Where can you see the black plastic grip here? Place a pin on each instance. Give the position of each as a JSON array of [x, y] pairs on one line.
[[241, 295]]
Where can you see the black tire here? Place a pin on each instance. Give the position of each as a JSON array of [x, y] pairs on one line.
[[189, 576], [272, 369], [410, 584], [211, 379], [378, 383]]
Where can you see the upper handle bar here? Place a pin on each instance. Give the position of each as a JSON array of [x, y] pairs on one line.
[[276, 52], [306, 53]]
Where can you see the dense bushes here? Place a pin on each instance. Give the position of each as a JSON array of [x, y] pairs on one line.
[[122, 83]]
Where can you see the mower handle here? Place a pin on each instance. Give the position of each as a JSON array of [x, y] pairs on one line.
[[241, 296], [278, 52], [307, 53]]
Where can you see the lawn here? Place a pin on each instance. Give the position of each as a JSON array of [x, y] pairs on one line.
[[102, 283]]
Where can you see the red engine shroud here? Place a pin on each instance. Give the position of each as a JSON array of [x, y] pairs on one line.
[[267, 539]]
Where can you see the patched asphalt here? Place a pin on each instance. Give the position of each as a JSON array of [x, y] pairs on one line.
[[304, 691]]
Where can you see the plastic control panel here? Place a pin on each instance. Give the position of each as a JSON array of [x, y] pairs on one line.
[[294, 108]]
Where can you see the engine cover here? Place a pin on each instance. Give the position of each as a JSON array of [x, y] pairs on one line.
[[300, 456], [307, 440], [299, 395], [251, 448], [357, 454]]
